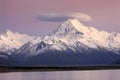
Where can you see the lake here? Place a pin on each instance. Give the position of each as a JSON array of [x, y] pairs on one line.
[[63, 75]]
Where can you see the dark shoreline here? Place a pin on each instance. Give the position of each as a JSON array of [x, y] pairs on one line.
[[52, 68]]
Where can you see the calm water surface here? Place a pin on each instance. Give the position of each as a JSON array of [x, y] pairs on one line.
[[63, 75]]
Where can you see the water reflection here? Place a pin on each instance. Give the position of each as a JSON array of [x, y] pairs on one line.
[[63, 75]]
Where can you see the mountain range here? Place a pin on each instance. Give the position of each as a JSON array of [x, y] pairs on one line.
[[71, 44]]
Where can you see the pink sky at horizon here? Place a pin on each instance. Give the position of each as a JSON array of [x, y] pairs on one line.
[[20, 15]]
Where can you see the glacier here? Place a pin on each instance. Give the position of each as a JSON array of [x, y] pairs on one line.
[[71, 44]]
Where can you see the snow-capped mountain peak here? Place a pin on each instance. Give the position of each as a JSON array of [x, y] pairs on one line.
[[76, 24], [69, 27], [13, 40], [9, 32], [73, 31], [73, 27]]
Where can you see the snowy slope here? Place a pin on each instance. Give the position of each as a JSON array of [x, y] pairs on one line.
[[77, 32], [13, 40]]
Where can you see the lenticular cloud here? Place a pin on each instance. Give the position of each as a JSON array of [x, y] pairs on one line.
[[58, 17]]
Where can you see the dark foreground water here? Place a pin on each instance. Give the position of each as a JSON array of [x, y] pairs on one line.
[[63, 75]]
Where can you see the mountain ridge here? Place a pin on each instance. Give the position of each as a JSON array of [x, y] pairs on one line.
[[13, 40], [71, 43]]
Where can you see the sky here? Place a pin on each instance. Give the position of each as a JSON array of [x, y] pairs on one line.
[[22, 15]]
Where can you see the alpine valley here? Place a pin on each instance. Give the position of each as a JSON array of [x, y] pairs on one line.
[[71, 44]]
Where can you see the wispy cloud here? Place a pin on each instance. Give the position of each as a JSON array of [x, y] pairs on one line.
[[57, 17]]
